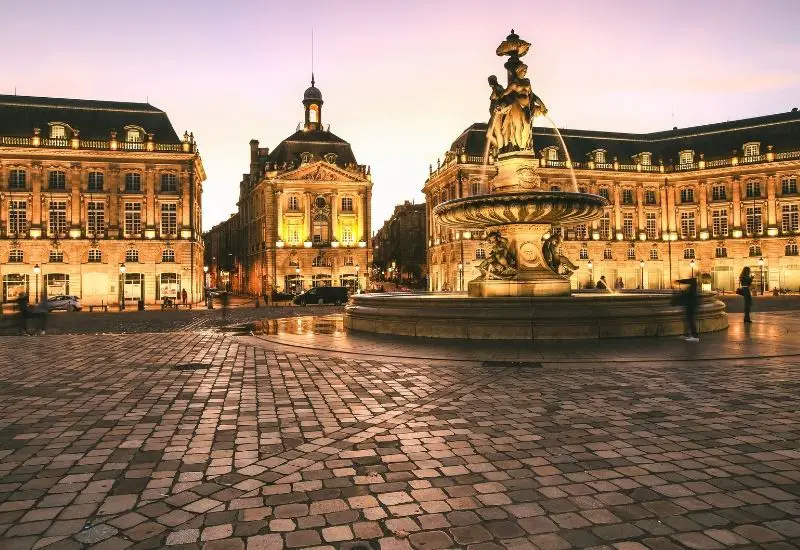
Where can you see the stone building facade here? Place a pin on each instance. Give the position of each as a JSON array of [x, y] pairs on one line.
[[98, 199], [706, 200], [303, 215], [400, 245]]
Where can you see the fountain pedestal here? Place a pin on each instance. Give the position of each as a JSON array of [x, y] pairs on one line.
[[534, 277]]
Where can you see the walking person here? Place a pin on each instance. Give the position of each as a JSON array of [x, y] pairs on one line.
[[22, 306], [690, 301], [184, 296], [40, 313], [745, 280], [225, 299]]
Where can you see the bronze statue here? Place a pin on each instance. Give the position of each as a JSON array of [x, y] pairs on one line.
[[500, 263], [512, 109], [553, 257]]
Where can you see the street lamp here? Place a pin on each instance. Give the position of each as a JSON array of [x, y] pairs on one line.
[[641, 265], [761, 269], [297, 280], [358, 283], [692, 264], [122, 286], [37, 270], [590, 265]]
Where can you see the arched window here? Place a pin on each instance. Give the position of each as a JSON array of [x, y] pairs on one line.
[[55, 256], [721, 252], [755, 250], [132, 256], [95, 181], [654, 254], [789, 185], [753, 189], [168, 255], [95, 256], [631, 254], [319, 261], [791, 249], [133, 182], [57, 180], [169, 183], [16, 256], [607, 255], [688, 253], [584, 254], [627, 195], [16, 178]]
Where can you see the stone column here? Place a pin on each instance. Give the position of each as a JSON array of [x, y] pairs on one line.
[[702, 189], [336, 203], [36, 188], [75, 174], [113, 202], [672, 210], [771, 202], [642, 224], [186, 206], [307, 215], [617, 211], [737, 202], [368, 218], [664, 210], [362, 215], [150, 198], [278, 216]]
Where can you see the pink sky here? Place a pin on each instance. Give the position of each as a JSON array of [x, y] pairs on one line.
[[400, 79]]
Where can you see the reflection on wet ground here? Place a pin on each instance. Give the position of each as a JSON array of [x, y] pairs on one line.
[[298, 326]]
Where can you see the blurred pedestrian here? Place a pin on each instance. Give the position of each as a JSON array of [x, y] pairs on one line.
[[226, 300], [690, 301], [184, 296], [619, 284], [745, 280], [22, 307]]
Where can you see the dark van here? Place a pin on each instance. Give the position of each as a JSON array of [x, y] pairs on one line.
[[322, 295]]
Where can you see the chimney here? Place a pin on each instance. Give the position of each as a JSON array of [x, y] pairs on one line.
[[253, 155]]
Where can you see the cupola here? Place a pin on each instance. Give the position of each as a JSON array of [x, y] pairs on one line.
[[312, 101]]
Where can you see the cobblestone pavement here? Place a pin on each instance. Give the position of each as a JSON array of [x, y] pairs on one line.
[[201, 439]]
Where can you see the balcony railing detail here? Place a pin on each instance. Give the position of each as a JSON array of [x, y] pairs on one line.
[[99, 144]]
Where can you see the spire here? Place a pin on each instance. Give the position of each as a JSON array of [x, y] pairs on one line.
[[312, 79]]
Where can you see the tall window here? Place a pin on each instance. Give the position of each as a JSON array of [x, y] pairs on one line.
[[627, 225], [791, 218], [789, 185], [583, 254], [687, 194], [652, 225], [95, 217], [721, 252], [718, 192], [55, 256], [347, 235], [627, 196], [688, 229], [751, 149], [133, 182], [603, 192], [719, 223], [169, 219], [347, 204], [57, 180], [95, 256], [133, 219], [475, 188], [168, 255], [753, 189], [755, 251], [294, 203], [607, 255], [95, 181], [16, 179], [580, 231], [753, 219], [169, 183], [58, 218], [16, 256], [605, 227], [688, 253], [319, 233], [294, 234], [687, 157], [649, 196], [17, 217], [791, 249], [132, 256], [654, 254]]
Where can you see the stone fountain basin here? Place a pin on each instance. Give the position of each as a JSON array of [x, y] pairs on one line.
[[583, 315], [530, 207]]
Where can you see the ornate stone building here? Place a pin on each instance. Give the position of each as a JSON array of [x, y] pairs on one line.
[[400, 245], [98, 199], [706, 200], [303, 214]]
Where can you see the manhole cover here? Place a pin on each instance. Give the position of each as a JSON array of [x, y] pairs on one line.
[[192, 366], [513, 364]]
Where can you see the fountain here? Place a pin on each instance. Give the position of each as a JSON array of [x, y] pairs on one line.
[[523, 290]]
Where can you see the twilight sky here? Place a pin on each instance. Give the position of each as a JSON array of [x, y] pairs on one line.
[[400, 78]]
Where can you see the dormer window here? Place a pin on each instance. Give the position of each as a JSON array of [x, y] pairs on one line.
[[600, 156], [752, 149], [645, 159], [133, 135], [306, 157], [686, 157], [551, 153], [58, 131], [331, 157]]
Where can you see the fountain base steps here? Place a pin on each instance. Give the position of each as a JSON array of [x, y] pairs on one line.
[[581, 316]]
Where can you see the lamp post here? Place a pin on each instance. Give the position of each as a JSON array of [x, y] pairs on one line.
[[297, 280], [692, 264], [591, 273], [36, 271], [205, 282], [122, 287], [641, 266], [358, 284], [761, 269]]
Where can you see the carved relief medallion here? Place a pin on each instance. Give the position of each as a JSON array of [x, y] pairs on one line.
[[528, 178], [529, 254]]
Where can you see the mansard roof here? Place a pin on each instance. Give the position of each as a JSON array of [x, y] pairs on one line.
[[317, 142], [19, 115], [781, 130]]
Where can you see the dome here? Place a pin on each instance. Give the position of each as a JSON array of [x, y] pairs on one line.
[[312, 93]]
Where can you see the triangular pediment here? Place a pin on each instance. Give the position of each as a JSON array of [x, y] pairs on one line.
[[321, 171]]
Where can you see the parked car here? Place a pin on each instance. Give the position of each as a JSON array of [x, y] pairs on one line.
[[322, 295], [67, 303], [281, 296]]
